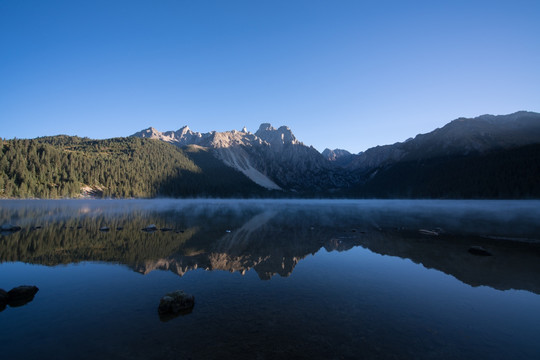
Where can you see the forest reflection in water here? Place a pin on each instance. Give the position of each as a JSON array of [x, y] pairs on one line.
[[271, 237]]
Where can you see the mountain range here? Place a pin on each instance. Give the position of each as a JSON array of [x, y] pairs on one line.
[[272, 158], [487, 146], [484, 157]]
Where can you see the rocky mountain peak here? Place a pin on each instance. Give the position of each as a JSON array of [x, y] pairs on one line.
[[150, 133], [184, 130], [276, 137], [265, 127], [335, 154]]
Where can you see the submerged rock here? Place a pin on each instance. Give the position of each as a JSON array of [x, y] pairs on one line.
[[3, 299], [21, 295], [176, 303], [150, 228], [479, 251]]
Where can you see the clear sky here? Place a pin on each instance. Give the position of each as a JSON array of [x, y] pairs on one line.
[[341, 74]]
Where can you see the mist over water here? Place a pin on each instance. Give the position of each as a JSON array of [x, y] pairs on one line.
[[273, 278], [482, 217]]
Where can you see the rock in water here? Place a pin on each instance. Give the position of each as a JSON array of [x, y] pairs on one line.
[[3, 299], [176, 302], [479, 251], [3, 296], [21, 295]]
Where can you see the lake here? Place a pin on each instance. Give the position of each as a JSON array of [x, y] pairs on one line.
[[273, 279]]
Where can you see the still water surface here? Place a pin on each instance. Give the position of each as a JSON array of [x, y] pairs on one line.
[[273, 279]]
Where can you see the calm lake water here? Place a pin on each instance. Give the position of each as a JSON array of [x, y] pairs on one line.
[[273, 279]]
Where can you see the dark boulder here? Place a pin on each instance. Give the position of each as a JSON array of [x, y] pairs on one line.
[[3, 299], [21, 295], [175, 303]]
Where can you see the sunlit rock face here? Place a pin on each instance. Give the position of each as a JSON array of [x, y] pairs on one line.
[[272, 158]]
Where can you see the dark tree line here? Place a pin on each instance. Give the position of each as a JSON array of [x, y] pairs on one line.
[[503, 174], [57, 167], [61, 166]]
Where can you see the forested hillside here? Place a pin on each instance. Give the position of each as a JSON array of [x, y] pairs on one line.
[[60, 166], [503, 174], [68, 167]]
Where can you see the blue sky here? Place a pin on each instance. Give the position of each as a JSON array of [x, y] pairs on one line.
[[347, 74]]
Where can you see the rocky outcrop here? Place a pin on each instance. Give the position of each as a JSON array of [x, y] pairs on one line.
[[3, 299], [17, 296]]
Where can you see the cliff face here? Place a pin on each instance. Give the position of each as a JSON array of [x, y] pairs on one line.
[[272, 158]]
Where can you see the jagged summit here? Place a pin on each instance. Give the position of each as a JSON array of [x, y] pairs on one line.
[[276, 137], [272, 158], [266, 127], [184, 130], [185, 136]]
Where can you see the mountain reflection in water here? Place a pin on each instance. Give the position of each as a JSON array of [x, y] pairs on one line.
[[272, 237]]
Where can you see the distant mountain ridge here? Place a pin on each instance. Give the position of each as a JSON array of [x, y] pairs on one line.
[[462, 136], [272, 158], [275, 159], [484, 157]]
